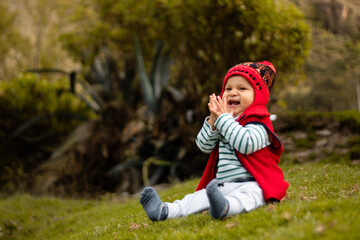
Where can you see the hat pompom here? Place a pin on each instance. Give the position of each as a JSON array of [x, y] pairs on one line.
[[268, 73], [270, 65]]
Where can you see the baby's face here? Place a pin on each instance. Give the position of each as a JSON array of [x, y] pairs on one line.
[[239, 93]]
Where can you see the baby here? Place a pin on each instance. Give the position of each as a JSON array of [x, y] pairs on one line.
[[242, 172]]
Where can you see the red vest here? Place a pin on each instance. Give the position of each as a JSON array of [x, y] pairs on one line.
[[262, 164]]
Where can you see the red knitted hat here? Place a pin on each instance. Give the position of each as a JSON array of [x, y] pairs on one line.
[[261, 75]]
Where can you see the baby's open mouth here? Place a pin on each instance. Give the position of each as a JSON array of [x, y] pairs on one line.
[[234, 102]]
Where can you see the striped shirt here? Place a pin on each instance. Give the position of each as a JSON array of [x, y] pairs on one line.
[[231, 135]]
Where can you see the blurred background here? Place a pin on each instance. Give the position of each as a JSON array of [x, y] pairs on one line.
[[106, 96]]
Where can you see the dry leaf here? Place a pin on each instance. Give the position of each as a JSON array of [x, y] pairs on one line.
[[134, 226], [271, 207], [320, 228], [287, 216], [231, 224], [205, 212], [308, 198]]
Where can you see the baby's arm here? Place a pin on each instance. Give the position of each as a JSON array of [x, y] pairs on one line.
[[246, 140], [207, 138]]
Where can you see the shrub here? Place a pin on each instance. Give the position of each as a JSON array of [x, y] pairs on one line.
[[354, 144], [35, 114]]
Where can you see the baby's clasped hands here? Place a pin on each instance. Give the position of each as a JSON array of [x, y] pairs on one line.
[[217, 106]]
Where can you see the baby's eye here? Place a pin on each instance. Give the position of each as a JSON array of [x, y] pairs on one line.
[[228, 89]]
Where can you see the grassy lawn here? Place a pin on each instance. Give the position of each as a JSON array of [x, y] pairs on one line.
[[323, 202]]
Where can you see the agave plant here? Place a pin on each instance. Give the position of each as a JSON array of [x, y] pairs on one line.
[[128, 171], [153, 87]]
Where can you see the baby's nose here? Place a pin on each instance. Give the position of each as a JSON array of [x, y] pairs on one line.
[[232, 92]]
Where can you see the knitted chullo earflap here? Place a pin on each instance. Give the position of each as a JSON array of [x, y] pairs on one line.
[[261, 75]]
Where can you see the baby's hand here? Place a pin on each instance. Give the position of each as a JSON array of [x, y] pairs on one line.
[[212, 118], [218, 106]]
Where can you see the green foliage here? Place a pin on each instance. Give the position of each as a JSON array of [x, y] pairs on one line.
[[355, 148], [154, 86], [29, 96], [35, 115], [147, 88], [322, 203], [350, 119], [311, 120], [209, 36]]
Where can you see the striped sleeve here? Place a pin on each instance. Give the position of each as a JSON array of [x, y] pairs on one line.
[[207, 139], [246, 140]]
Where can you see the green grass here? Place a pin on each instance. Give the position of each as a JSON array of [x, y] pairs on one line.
[[323, 202]]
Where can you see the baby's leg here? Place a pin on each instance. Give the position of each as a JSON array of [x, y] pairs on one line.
[[244, 197], [219, 206], [155, 209], [190, 204]]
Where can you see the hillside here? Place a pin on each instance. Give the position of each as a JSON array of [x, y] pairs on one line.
[[323, 202], [331, 72]]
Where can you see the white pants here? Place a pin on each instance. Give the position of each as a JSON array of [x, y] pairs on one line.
[[242, 197]]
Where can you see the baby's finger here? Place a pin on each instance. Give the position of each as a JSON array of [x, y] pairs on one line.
[[212, 98], [210, 106], [212, 102], [224, 103], [220, 102]]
